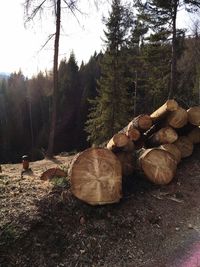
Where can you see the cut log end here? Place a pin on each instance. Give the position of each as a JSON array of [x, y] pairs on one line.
[[173, 150], [133, 134], [145, 122], [119, 140], [165, 135], [96, 177], [185, 146], [168, 135], [194, 115], [178, 118], [158, 165], [142, 122]]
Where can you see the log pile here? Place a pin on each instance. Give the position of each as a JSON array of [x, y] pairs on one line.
[[153, 144]]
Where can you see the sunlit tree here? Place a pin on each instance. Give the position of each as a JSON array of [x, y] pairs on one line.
[[33, 8]]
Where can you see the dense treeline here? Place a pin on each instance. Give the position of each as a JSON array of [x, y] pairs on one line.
[[132, 76], [26, 106]]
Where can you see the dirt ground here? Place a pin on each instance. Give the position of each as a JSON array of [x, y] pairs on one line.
[[152, 226]]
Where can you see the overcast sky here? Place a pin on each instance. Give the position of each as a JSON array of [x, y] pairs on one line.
[[20, 46]]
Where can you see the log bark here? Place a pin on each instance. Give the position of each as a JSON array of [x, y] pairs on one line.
[[142, 122], [163, 136], [158, 165], [118, 142], [177, 118], [173, 150], [161, 112], [127, 162], [96, 177], [194, 115], [185, 146], [194, 135]]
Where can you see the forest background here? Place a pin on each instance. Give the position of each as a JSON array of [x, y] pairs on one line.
[[146, 60]]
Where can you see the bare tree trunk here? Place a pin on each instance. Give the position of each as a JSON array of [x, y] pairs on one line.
[[55, 82], [173, 57]]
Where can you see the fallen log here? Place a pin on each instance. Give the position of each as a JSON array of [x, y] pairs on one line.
[[118, 142], [194, 135], [185, 146], [194, 115], [165, 135], [170, 105], [96, 177], [142, 123], [127, 162], [177, 118], [133, 133], [158, 165], [173, 150]]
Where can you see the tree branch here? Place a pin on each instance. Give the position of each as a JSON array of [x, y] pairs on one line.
[[35, 10]]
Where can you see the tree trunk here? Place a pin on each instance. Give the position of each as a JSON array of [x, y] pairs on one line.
[[55, 83], [96, 177], [174, 53]]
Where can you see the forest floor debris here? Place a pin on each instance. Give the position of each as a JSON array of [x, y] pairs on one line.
[[42, 224]]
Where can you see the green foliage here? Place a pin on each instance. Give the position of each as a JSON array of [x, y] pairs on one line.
[[60, 182], [111, 109]]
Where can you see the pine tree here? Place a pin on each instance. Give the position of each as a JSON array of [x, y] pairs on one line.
[[112, 107], [161, 15]]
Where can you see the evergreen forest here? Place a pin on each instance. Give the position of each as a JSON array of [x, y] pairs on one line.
[[146, 60]]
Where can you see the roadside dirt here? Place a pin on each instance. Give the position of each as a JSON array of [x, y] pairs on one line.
[[152, 226]]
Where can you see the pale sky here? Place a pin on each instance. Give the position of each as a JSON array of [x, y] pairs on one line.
[[20, 47]]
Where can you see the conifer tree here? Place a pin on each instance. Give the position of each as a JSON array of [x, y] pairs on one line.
[[111, 108], [162, 17]]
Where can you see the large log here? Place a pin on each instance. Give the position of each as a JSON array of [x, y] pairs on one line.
[[127, 162], [177, 118], [142, 122], [158, 165], [185, 146], [165, 135], [96, 177], [173, 150], [194, 115], [170, 105], [194, 135]]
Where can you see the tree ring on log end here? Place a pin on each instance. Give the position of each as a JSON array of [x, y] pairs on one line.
[[96, 177]]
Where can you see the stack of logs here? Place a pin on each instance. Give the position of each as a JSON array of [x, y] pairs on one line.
[[154, 143]]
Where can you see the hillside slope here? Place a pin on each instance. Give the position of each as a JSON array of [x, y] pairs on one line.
[[151, 226]]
